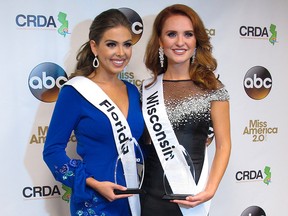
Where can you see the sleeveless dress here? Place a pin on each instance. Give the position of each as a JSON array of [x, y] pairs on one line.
[[188, 108]]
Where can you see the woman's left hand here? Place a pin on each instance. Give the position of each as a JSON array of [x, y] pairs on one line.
[[192, 201]]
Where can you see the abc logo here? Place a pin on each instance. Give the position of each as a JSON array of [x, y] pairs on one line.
[[257, 82], [253, 211], [45, 81], [136, 23]]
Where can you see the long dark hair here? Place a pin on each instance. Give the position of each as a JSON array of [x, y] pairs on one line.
[[104, 21], [202, 70]]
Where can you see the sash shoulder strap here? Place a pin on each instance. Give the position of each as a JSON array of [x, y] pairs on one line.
[[169, 150]]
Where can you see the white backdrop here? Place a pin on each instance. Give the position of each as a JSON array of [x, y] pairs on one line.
[[255, 183]]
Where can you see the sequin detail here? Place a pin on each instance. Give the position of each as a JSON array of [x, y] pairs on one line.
[[88, 210], [65, 171], [185, 102]]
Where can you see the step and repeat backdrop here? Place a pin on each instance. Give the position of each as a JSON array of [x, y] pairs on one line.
[[39, 41]]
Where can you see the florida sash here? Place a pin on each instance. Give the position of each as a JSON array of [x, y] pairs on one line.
[[121, 132]]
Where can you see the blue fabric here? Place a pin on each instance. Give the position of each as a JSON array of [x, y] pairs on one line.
[[95, 146]]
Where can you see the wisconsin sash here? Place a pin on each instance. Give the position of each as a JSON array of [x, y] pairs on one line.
[[169, 150]]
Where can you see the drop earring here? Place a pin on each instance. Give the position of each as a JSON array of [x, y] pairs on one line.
[[95, 62], [161, 56], [193, 56]]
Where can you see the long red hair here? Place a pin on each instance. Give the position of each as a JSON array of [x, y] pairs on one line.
[[202, 70]]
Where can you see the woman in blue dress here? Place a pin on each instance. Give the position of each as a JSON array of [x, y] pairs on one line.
[[91, 178]]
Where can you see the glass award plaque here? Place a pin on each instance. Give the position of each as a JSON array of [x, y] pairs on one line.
[[133, 172], [179, 175]]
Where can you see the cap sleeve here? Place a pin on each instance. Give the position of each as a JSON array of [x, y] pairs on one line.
[[220, 94]]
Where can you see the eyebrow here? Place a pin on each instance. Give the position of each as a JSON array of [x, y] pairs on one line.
[[113, 41], [191, 30], [184, 30]]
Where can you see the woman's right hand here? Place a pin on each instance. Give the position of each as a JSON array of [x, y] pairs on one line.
[[106, 189]]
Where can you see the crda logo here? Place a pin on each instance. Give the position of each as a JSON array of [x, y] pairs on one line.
[[251, 31], [45, 81], [43, 22], [41, 192], [256, 32], [257, 82], [136, 23], [249, 175], [253, 211], [35, 21], [254, 175]]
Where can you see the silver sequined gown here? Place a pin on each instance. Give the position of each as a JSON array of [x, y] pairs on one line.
[[188, 108]]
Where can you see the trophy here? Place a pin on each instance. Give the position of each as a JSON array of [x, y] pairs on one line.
[[132, 167], [179, 175]]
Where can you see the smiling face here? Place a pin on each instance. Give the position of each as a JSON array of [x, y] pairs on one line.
[[114, 50], [178, 39]]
